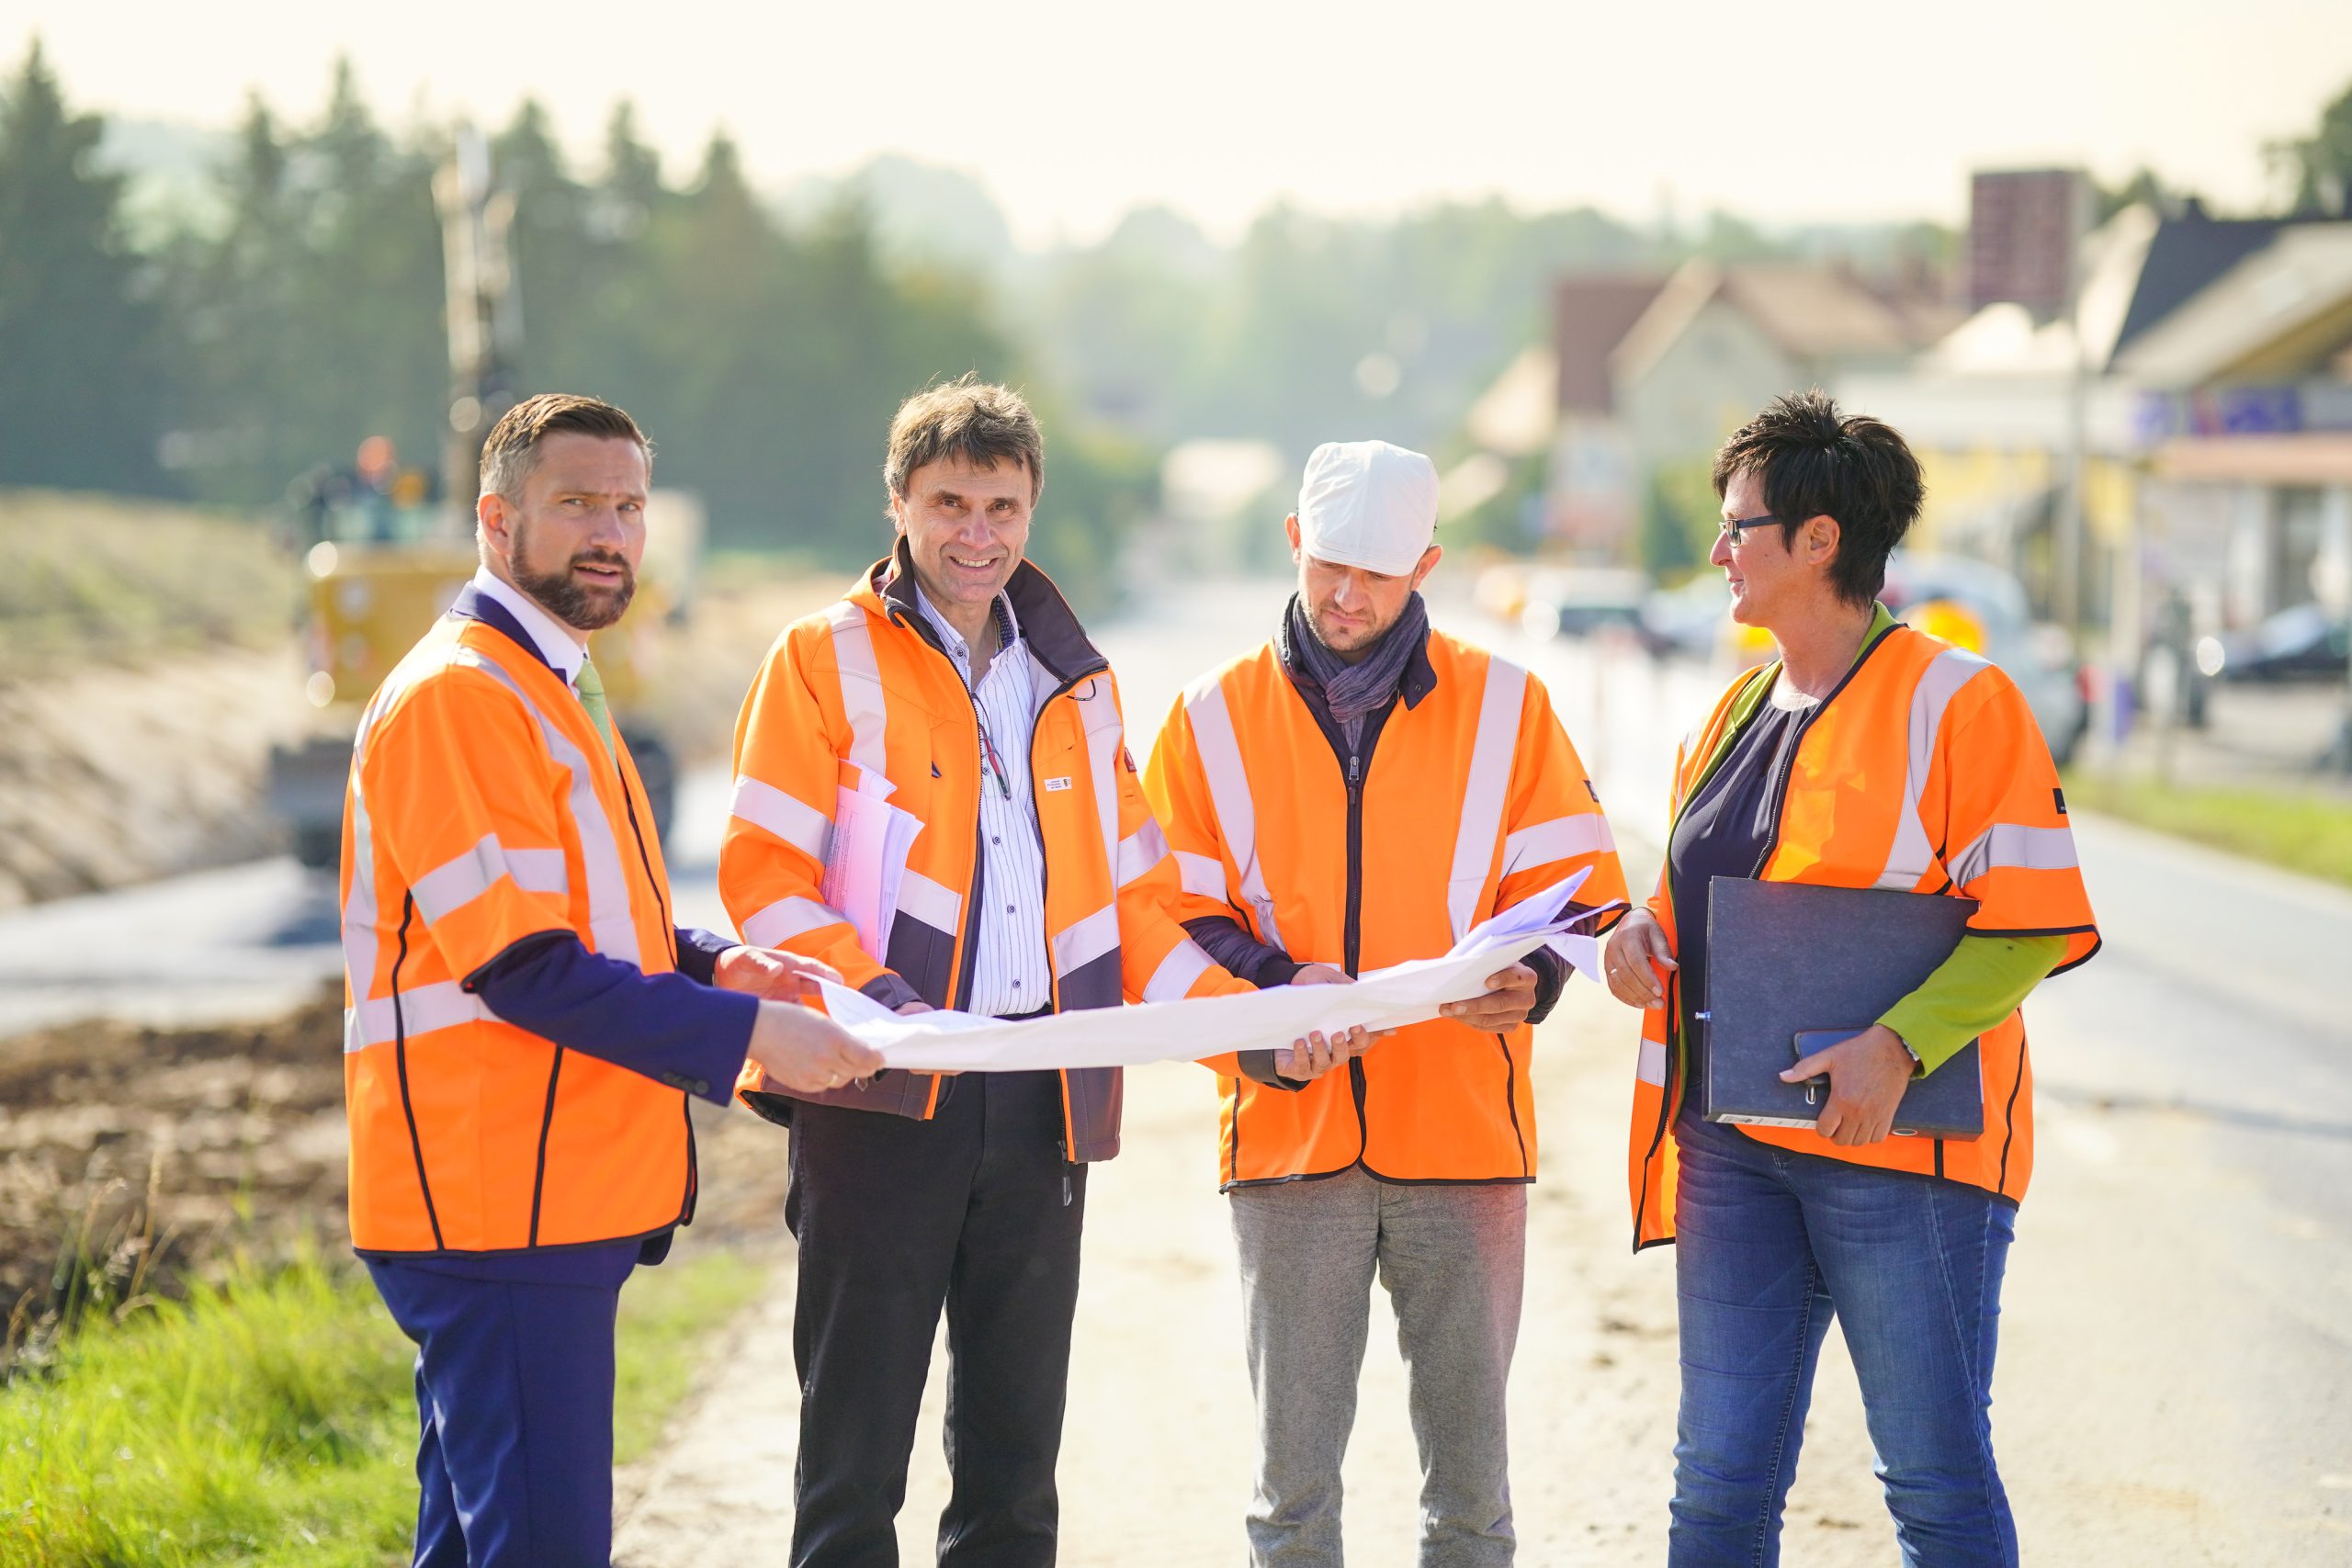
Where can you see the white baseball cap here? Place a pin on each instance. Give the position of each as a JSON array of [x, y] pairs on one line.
[[1368, 504]]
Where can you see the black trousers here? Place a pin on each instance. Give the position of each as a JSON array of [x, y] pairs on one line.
[[975, 1212]]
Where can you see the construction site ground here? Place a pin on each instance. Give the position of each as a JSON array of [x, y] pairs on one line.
[[2175, 1366]]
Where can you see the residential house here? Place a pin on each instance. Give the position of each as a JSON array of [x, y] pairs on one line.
[[1721, 339]]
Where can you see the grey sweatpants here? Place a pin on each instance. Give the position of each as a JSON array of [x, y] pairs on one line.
[[1454, 1259]]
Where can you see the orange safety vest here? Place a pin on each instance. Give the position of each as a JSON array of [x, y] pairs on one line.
[[1923, 772], [864, 690], [1471, 800], [483, 808]]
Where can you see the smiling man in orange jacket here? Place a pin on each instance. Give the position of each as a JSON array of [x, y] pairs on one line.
[[954, 679]]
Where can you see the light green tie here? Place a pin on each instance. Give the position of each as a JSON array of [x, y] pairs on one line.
[[590, 687]]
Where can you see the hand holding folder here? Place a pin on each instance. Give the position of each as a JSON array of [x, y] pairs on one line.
[[1787, 959]]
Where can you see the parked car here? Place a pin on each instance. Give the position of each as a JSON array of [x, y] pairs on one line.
[[1983, 607], [1690, 620], [1576, 601], [2301, 643]]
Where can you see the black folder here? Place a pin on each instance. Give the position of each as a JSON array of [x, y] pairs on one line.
[[1784, 958]]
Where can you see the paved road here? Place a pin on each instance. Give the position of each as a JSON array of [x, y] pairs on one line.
[[2178, 1349], [2177, 1372]]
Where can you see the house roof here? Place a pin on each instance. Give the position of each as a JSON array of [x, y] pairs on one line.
[[2281, 312], [1590, 316], [1810, 311], [2186, 253]]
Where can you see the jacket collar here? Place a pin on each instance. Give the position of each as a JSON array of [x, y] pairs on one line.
[[1048, 626], [473, 605], [1417, 681], [1747, 694]]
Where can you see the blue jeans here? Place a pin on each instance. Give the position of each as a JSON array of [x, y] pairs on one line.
[[1770, 1244]]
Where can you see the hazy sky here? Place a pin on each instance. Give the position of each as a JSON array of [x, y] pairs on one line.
[[1071, 112]]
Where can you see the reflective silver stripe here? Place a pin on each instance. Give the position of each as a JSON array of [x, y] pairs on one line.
[[1908, 859], [789, 918], [1204, 875], [1484, 792], [612, 925], [1082, 942], [861, 680], [1139, 852], [1098, 714], [441, 1005], [803, 827], [374, 711], [2017, 847], [1651, 1067], [934, 903], [1586, 833], [359, 945], [458, 882], [1236, 814], [1172, 981]]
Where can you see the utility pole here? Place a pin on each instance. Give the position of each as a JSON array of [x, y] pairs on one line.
[[2072, 521], [484, 310]]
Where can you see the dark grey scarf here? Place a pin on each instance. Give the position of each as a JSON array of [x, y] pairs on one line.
[[1354, 691]]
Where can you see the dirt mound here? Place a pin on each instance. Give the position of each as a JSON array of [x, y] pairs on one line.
[[141, 1155], [114, 773]]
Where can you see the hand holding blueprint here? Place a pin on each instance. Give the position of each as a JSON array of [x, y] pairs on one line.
[[1188, 1029]]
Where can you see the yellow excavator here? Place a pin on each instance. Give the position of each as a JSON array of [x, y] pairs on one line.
[[385, 549]]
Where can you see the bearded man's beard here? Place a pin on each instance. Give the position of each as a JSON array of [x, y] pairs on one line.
[[584, 606]]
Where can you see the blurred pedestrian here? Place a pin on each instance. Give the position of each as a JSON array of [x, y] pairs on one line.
[[525, 1023], [1357, 793], [1866, 755]]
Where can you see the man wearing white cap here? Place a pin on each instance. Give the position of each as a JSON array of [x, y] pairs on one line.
[[1357, 793]]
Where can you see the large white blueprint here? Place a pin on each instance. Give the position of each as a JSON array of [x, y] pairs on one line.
[[1197, 1027]]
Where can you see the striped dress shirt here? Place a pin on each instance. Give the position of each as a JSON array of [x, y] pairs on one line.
[[1009, 970]]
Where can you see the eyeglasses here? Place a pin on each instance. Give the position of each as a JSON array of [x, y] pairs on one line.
[[1734, 533]]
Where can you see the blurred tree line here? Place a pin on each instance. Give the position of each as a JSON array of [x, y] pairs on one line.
[[1311, 327], [224, 358]]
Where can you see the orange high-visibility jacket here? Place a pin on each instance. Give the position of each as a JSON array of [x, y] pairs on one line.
[[1923, 772], [483, 808], [1471, 800], [864, 688]]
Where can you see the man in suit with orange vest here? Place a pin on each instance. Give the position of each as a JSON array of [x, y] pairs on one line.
[[1360, 791], [952, 682], [525, 1023]]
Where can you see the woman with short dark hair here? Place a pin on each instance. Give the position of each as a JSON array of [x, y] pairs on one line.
[[1867, 755]]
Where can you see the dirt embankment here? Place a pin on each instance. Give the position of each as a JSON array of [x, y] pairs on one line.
[[137, 1152], [112, 775], [145, 1155]]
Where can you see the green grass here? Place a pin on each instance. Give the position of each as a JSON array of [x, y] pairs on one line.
[[271, 1421], [2305, 832]]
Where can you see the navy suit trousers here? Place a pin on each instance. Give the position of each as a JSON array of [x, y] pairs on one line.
[[514, 1400]]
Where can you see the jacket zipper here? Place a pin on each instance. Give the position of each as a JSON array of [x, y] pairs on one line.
[[967, 946], [1352, 941], [1068, 1146]]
